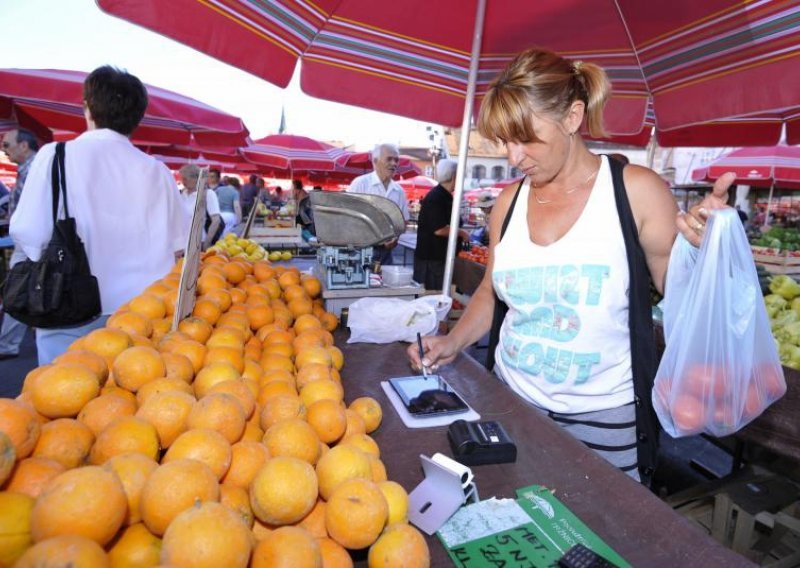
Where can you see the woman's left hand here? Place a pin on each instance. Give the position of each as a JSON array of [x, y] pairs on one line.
[[692, 224]]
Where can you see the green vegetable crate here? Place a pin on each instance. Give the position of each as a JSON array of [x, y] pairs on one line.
[[777, 261]]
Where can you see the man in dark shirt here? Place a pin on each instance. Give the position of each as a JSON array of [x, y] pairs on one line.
[[433, 228], [248, 195]]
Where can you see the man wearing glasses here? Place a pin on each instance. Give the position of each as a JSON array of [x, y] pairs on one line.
[[20, 146]]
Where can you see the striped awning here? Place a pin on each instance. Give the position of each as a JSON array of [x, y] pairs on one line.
[[689, 61]]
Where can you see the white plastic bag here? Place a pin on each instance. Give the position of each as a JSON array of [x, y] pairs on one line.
[[720, 368], [386, 320]]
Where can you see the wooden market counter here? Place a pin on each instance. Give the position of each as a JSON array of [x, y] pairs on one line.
[[633, 521]]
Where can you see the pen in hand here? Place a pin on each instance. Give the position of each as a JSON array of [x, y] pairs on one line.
[[421, 355]]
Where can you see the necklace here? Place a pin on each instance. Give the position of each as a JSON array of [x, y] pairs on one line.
[[571, 190]]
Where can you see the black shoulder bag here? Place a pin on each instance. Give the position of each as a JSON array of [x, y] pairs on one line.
[[58, 290]]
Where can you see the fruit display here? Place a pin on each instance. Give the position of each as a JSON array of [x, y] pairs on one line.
[[778, 241], [226, 442], [278, 255], [783, 309], [237, 247], [476, 253]]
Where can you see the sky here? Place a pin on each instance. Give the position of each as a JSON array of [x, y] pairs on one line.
[[77, 35]]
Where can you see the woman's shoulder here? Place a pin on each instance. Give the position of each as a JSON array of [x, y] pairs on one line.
[[648, 193]]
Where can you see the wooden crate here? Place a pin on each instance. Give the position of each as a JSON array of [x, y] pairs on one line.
[[777, 262]]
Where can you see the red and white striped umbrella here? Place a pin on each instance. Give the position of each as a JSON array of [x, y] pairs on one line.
[[53, 99], [760, 166], [296, 154]]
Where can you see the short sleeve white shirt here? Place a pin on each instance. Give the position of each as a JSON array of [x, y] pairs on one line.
[[371, 184], [188, 201], [126, 209]]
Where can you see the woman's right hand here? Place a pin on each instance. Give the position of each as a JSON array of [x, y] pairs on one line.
[[439, 350]]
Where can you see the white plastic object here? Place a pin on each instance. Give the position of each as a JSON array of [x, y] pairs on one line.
[[397, 276], [447, 485]]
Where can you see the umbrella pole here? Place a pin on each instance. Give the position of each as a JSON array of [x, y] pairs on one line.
[[769, 205], [463, 147]]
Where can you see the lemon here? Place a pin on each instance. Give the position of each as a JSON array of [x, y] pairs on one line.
[[286, 255], [274, 255]]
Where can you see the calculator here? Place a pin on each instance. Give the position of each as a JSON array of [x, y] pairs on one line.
[[580, 556]]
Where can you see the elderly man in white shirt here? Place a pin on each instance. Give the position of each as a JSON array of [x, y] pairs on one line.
[[190, 174], [125, 203], [385, 158]]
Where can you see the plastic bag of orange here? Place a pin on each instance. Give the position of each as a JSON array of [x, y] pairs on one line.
[[720, 368]]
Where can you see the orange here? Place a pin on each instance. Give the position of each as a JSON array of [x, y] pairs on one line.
[[364, 442], [284, 491], [135, 547], [64, 389], [237, 500], [206, 446], [273, 289], [281, 407], [234, 272], [174, 487], [337, 358], [312, 372], [149, 305], [162, 385], [111, 388], [355, 424], [356, 513], [196, 328], [8, 457], [270, 362], [259, 316], [319, 355], [208, 310], [87, 501], [329, 321], [125, 435], [133, 469], [281, 375], [252, 371], [157, 288], [66, 441], [314, 521], [287, 547], [170, 340], [140, 341], [237, 295], [293, 292], [293, 437], [278, 336], [320, 390], [19, 422], [239, 390], [334, 555], [221, 297], [252, 433], [212, 374], [300, 306], [328, 419], [65, 550], [247, 458], [397, 500], [137, 366], [107, 342], [280, 349], [399, 545], [263, 270], [274, 388], [192, 350], [210, 281], [378, 469], [168, 412], [220, 412], [227, 336], [33, 374], [370, 410], [252, 349], [30, 476], [15, 526], [340, 464], [312, 286], [95, 362], [178, 366], [288, 278], [207, 535], [306, 322], [231, 355]]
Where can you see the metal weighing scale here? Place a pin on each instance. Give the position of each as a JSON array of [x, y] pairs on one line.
[[348, 226]]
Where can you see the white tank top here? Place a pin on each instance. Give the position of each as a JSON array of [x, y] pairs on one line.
[[565, 343]]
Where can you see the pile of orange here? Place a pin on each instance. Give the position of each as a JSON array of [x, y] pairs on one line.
[[224, 442]]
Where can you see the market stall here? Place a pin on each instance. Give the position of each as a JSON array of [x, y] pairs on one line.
[[633, 521]]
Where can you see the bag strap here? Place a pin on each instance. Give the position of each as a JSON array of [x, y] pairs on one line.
[[500, 307], [58, 179]]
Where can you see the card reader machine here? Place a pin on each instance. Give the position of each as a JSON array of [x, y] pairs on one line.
[[478, 443]]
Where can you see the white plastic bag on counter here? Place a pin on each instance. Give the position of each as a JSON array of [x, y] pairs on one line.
[[386, 320], [720, 368]]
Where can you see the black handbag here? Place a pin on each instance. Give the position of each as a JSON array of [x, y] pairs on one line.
[[58, 290]]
